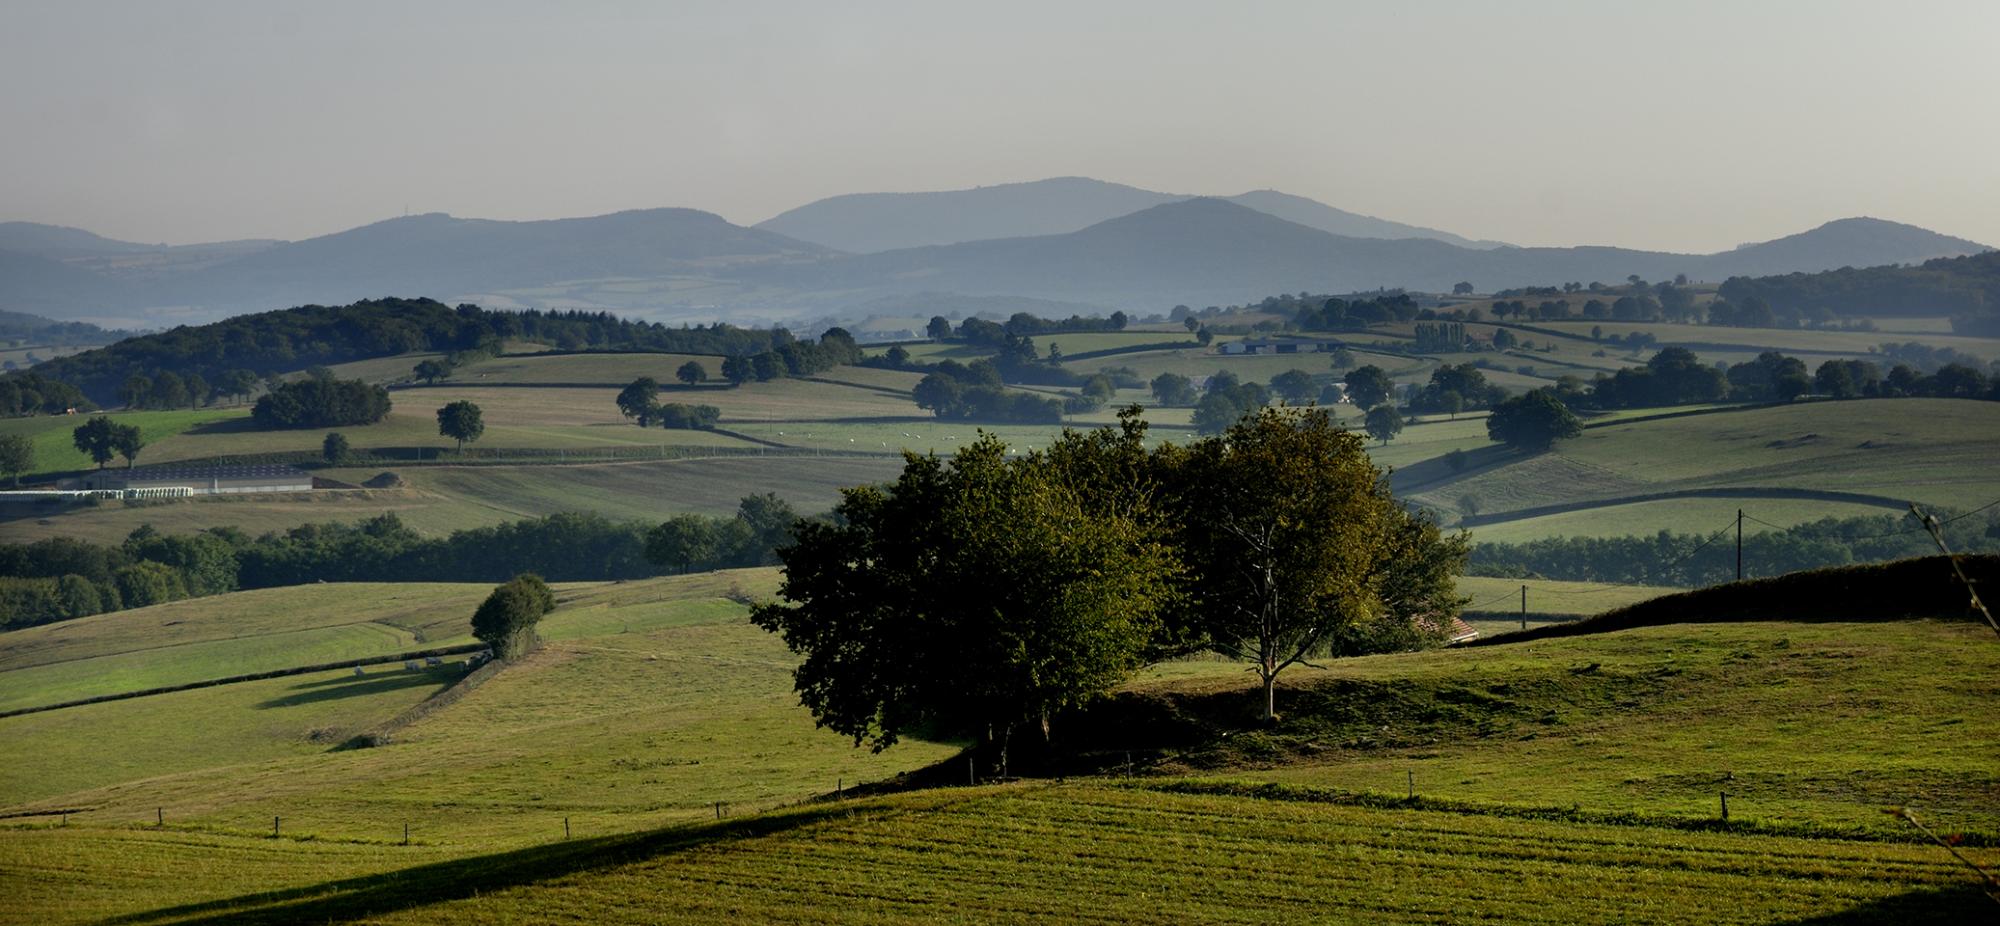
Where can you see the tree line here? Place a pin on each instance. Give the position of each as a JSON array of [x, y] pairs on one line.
[[1967, 288], [290, 339], [1675, 376], [985, 594], [1690, 560], [63, 578]]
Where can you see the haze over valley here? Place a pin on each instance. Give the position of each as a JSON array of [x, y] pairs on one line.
[[887, 463]]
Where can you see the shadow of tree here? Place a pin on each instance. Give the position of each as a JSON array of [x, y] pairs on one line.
[[374, 895], [450, 671], [355, 687], [1915, 908]]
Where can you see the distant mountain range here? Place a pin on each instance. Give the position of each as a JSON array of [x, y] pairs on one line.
[[829, 258], [866, 223]]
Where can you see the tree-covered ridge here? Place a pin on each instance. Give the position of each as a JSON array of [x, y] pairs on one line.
[[291, 339], [1966, 287], [34, 329]]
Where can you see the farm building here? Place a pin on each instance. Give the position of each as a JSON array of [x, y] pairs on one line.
[[211, 479], [1278, 346]]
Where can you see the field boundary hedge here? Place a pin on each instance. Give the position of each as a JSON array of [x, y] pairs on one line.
[[1816, 495], [1902, 589]]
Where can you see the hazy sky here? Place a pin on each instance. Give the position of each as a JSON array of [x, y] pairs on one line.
[[1672, 125]]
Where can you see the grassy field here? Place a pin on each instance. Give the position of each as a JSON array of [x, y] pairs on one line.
[[55, 449], [441, 499], [1681, 515], [1066, 853], [1800, 722], [653, 701], [1935, 451], [649, 702], [235, 634], [1752, 340]]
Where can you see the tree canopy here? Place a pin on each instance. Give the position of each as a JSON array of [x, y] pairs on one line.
[[506, 620], [1534, 421], [982, 593], [101, 439], [461, 421]]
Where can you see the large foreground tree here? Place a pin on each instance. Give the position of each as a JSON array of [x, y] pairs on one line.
[[976, 595], [1293, 542]]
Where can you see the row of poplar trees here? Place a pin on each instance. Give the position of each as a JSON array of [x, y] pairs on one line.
[[986, 593]]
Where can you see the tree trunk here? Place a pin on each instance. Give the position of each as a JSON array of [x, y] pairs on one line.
[[1270, 697]]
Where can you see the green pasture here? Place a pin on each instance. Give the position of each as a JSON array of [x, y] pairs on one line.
[[608, 369], [1680, 515], [241, 633], [55, 446], [1858, 343], [1077, 852], [1549, 596], [215, 731], [1799, 722], [400, 368], [647, 491], [646, 706], [437, 500], [109, 522], [1934, 451], [653, 701]]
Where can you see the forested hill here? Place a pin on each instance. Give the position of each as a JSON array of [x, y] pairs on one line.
[[292, 339], [35, 329], [1965, 287]]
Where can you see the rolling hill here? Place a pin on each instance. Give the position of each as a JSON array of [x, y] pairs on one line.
[[1215, 251], [651, 765], [1074, 242], [864, 223]]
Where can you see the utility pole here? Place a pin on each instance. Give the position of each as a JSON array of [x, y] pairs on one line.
[[1739, 544]]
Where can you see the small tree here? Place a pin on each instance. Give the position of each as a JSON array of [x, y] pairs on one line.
[[1383, 423], [17, 456], [96, 438], [1460, 289], [460, 421], [334, 448], [639, 399], [430, 371], [1173, 389], [1532, 422], [682, 541], [1286, 528], [1296, 386], [939, 328], [897, 355], [1367, 386], [198, 390], [506, 620], [692, 373], [125, 439], [738, 370]]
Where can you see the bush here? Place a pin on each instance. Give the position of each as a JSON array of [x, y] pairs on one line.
[[321, 403], [687, 417]]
